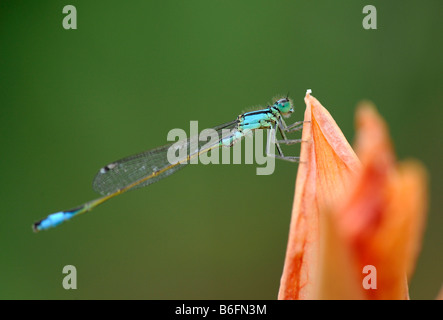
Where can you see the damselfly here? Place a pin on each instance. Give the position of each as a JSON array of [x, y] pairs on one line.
[[150, 166]]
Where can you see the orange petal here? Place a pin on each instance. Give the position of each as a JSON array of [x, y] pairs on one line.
[[440, 294], [337, 277], [383, 217], [327, 165]]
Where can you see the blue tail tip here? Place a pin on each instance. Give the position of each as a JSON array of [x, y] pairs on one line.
[[50, 221]]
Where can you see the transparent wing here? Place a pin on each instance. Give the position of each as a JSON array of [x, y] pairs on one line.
[[127, 171]]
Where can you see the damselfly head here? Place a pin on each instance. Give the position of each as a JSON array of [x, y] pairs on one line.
[[285, 106]]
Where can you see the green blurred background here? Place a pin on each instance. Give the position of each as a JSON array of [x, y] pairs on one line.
[[74, 100]]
